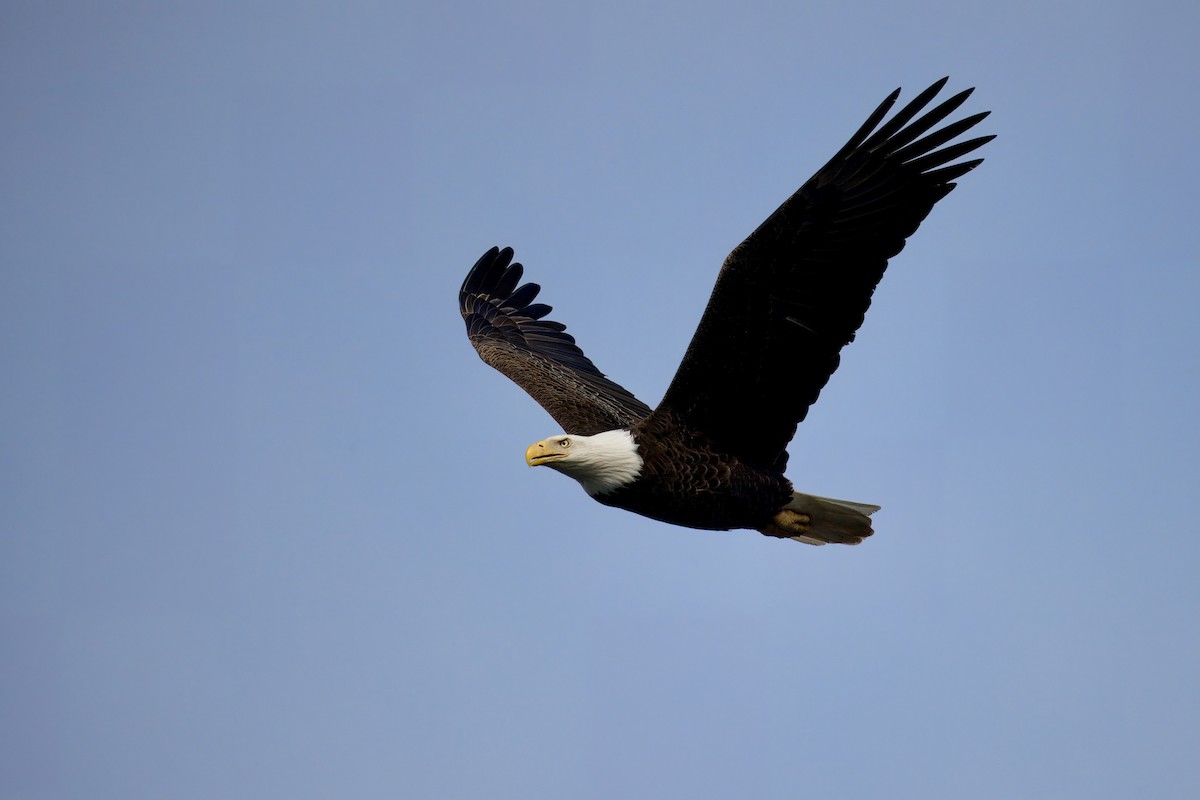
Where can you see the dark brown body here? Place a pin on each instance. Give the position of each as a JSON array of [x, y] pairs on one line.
[[685, 481]]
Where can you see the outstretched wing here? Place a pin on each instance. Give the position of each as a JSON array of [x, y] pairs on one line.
[[510, 333], [794, 293]]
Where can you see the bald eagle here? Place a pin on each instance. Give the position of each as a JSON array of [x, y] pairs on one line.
[[787, 300]]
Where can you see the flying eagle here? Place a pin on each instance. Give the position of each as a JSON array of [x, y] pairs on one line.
[[787, 300]]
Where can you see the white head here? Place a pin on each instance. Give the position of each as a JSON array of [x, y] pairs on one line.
[[601, 463]]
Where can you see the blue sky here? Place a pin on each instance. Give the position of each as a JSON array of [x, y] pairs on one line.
[[266, 526]]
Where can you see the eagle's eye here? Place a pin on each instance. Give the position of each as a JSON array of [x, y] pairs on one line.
[[564, 442]]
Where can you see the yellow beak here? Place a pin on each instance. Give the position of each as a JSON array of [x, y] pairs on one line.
[[542, 452]]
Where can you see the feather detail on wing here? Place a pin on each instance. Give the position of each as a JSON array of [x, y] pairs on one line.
[[794, 293], [510, 333]]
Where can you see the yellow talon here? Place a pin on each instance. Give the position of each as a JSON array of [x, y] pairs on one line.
[[794, 522]]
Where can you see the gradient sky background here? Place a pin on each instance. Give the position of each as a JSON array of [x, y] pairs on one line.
[[267, 531]]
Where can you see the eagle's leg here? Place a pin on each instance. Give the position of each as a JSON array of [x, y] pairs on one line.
[[793, 522], [788, 523], [821, 520]]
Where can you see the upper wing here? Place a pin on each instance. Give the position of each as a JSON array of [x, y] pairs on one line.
[[508, 331], [793, 294]]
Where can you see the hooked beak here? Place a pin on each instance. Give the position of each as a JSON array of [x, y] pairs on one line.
[[542, 452]]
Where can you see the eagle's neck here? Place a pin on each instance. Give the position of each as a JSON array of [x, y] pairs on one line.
[[609, 461]]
